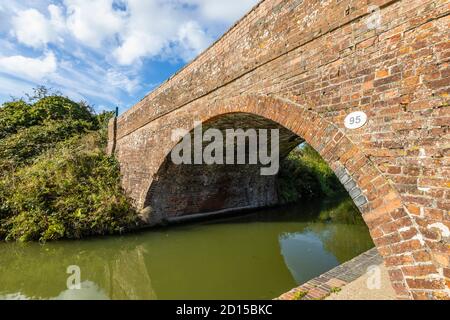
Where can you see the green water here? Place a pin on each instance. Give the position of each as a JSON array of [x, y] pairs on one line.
[[256, 256]]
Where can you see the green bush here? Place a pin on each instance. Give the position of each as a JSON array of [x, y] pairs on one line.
[[55, 179], [61, 108], [19, 114], [14, 115], [21, 148], [70, 191], [305, 175]]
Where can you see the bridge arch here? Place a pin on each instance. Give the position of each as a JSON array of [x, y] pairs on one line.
[[333, 63], [363, 180], [391, 226]]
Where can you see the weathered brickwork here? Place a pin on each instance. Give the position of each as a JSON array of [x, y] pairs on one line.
[[305, 65], [189, 189]]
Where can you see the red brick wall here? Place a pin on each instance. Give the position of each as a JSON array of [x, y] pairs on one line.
[[306, 65]]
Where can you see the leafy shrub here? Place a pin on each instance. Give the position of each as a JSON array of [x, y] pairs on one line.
[[14, 115], [69, 192], [19, 114], [60, 108], [55, 179], [21, 148]]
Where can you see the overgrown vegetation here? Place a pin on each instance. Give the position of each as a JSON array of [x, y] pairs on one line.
[[304, 175], [55, 179]]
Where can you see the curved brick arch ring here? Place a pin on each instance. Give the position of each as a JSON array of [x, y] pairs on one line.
[[351, 166], [391, 227]]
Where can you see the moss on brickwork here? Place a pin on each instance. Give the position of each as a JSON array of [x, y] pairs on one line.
[[299, 295], [55, 179]]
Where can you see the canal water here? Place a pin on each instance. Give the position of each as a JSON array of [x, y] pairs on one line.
[[259, 255]]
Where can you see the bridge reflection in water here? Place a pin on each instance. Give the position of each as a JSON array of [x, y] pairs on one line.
[[256, 256]]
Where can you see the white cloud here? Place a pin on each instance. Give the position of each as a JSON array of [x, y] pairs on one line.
[[94, 38], [149, 28], [93, 21], [139, 29], [119, 80], [29, 68], [154, 27], [32, 28], [57, 18], [137, 45]]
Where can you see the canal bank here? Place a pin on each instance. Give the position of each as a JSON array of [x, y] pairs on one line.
[[362, 278], [358, 290]]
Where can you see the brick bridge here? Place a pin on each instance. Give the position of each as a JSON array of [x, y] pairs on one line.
[[302, 66]]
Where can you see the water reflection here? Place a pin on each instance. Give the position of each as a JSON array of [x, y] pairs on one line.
[[88, 291], [299, 247], [256, 256]]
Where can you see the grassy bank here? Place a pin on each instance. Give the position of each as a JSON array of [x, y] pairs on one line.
[[55, 179]]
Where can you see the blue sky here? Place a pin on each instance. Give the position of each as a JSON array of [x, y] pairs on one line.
[[107, 52]]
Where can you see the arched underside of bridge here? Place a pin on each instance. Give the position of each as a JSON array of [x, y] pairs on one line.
[[186, 189], [173, 190]]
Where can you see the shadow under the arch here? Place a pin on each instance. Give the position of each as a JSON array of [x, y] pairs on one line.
[[179, 190]]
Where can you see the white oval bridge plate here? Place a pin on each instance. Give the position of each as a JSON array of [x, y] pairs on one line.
[[355, 120]]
